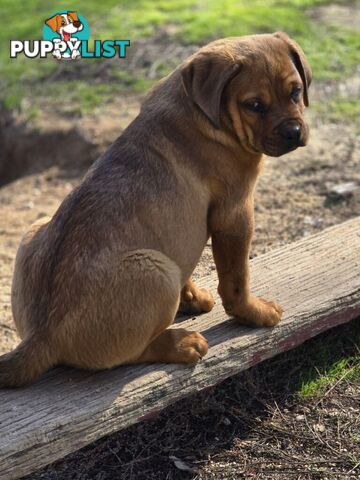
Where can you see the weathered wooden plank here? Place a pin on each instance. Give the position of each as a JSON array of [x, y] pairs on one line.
[[317, 282]]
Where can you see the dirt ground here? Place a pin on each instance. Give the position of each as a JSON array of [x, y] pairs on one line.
[[250, 426]]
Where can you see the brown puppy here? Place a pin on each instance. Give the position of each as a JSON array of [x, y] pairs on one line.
[[98, 284]]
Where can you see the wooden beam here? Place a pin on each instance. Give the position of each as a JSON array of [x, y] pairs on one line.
[[317, 282]]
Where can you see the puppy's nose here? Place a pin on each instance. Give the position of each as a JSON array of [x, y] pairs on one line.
[[77, 23], [290, 131]]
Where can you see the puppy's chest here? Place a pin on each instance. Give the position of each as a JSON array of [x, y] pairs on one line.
[[226, 211]]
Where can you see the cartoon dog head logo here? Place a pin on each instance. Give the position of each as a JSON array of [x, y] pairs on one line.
[[67, 27]]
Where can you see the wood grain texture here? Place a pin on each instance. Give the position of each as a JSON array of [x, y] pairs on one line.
[[317, 282]]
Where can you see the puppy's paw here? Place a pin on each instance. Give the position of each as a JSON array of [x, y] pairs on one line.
[[175, 345], [191, 348], [257, 312], [196, 301]]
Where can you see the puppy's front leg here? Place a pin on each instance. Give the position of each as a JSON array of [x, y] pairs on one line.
[[231, 253]]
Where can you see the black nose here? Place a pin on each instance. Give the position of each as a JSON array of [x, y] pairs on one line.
[[76, 24], [291, 132]]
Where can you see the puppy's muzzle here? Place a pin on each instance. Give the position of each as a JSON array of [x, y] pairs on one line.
[[290, 132]]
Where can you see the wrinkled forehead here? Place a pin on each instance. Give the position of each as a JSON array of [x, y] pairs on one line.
[[267, 71]]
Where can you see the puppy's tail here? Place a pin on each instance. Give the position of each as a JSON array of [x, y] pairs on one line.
[[28, 361]]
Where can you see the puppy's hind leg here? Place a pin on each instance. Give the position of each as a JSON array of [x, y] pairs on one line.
[[165, 345], [175, 346], [129, 304], [156, 293]]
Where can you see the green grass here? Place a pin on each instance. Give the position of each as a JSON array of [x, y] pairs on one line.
[[332, 51], [330, 363], [340, 370], [315, 367]]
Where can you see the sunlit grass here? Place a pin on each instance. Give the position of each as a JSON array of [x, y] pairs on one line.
[[343, 369], [329, 363]]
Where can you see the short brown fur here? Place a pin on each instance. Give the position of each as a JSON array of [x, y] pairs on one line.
[[99, 284]]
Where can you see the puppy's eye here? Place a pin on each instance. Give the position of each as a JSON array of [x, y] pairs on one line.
[[63, 22], [295, 93], [255, 106]]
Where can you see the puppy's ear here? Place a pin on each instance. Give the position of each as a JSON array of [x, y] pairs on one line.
[[300, 62], [53, 22], [73, 16], [205, 78]]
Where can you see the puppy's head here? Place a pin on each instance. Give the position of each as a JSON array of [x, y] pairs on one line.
[[65, 23], [255, 86]]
